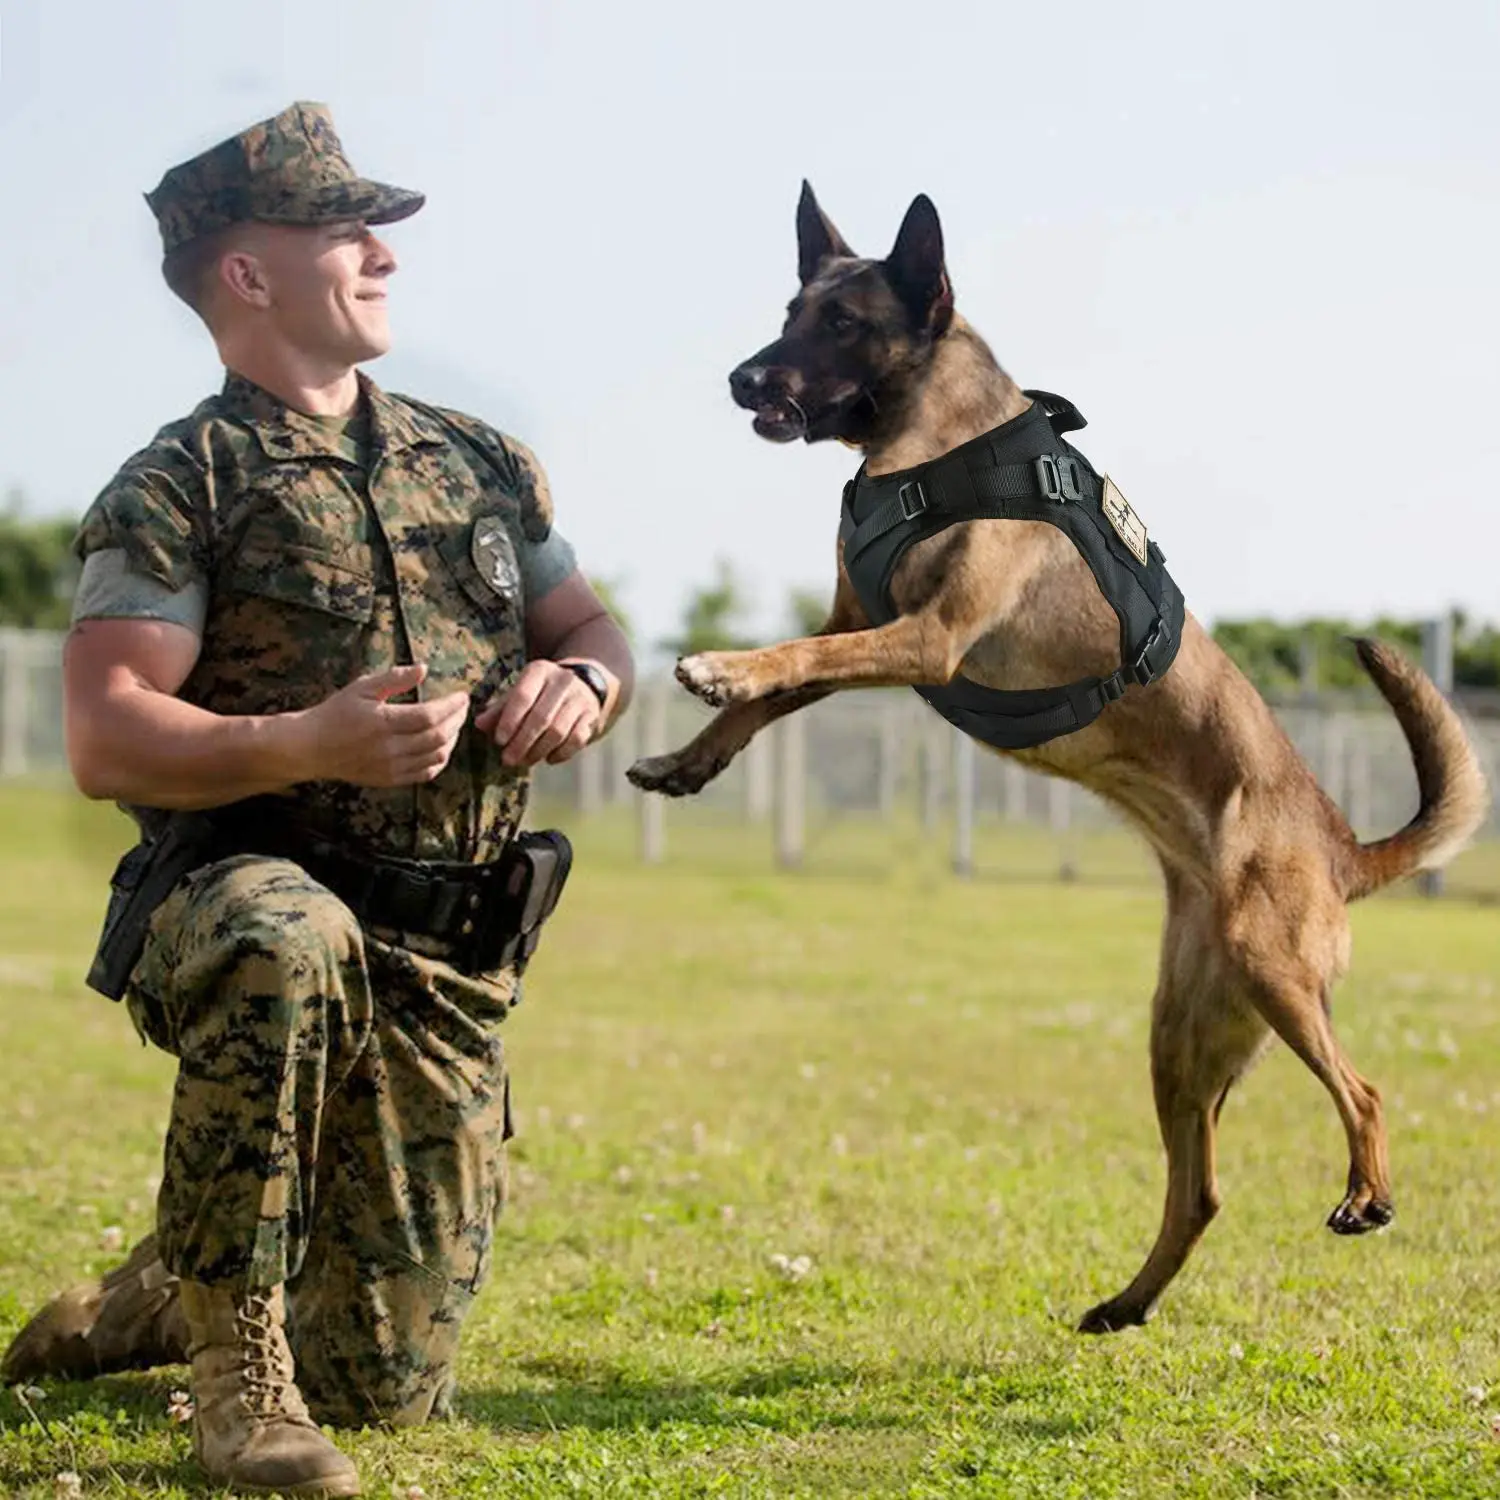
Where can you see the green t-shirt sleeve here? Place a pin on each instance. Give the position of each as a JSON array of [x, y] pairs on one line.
[[545, 564], [110, 588]]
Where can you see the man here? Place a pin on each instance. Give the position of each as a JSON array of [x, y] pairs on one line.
[[340, 618]]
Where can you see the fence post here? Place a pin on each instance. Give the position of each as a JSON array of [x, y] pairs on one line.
[[963, 804], [1361, 787], [15, 702], [932, 771], [889, 753], [1437, 661], [1060, 816], [791, 791], [622, 742], [588, 789], [1332, 769], [758, 790], [653, 806], [1014, 782]]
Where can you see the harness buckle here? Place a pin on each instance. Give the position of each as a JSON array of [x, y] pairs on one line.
[[1058, 474], [1112, 688], [1141, 668], [913, 499]]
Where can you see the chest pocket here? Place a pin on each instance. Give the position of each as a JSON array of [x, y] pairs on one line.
[[327, 574]]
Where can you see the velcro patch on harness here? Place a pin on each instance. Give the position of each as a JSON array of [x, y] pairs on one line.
[[1127, 525]]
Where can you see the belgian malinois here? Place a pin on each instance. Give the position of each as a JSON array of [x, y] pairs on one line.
[[1259, 864]]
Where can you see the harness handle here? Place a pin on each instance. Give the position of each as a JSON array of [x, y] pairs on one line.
[[1064, 416]]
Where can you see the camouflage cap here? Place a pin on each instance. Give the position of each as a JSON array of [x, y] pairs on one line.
[[290, 169]]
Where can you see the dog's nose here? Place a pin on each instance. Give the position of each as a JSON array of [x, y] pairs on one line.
[[747, 382]]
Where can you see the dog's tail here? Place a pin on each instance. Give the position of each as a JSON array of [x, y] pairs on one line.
[[1454, 799]]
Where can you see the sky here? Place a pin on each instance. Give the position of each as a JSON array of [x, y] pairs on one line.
[[1256, 245]]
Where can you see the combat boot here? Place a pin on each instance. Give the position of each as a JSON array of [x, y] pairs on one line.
[[251, 1428], [130, 1319]]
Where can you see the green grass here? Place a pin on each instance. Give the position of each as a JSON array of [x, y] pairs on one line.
[[936, 1091]]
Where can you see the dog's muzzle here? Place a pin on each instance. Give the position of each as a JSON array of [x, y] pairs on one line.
[[781, 416]]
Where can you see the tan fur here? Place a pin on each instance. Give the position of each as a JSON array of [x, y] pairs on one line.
[[1258, 862]]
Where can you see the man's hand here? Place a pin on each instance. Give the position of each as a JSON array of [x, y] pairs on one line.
[[548, 715], [357, 735]]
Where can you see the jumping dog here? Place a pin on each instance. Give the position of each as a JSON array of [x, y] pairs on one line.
[[1259, 864]]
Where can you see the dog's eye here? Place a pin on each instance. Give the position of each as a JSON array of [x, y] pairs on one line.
[[837, 319]]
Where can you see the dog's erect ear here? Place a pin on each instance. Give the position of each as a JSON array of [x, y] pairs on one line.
[[817, 239], [916, 270]]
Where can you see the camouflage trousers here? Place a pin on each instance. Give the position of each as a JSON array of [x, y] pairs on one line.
[[338, 1126]]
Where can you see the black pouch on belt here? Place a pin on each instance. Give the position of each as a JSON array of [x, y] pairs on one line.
[[143, 879], [533, 870]]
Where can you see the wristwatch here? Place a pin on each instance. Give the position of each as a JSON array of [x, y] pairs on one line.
[[589, 674]]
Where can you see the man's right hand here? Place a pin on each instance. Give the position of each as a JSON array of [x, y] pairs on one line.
[[358, 735]]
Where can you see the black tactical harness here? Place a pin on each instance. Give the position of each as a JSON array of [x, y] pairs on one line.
[[1023, 471]]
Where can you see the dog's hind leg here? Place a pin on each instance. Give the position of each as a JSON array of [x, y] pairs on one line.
[[1289, 936], [1202, 1039], [1299, 1018]]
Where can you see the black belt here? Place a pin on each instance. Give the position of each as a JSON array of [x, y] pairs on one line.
[[488, 916]]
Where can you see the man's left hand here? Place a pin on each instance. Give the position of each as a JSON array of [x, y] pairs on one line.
[[549, 715]]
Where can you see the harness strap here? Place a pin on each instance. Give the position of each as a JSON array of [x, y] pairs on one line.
[[953, 492], [1053, 483]]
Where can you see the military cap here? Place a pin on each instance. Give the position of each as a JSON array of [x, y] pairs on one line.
[[289, 169]]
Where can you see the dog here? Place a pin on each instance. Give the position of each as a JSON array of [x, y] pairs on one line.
[[1258, 863]]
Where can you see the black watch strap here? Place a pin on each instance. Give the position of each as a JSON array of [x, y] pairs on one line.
[[592, 677]]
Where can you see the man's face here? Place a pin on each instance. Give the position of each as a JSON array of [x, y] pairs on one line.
[[326, 288]]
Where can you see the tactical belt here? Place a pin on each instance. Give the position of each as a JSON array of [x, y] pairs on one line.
[[1023, 470], [484, 917], [488, 916]]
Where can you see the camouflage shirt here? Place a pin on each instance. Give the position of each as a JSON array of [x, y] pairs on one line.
[[319, 568]]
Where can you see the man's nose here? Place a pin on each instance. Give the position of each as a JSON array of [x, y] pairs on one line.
[[380, 259]]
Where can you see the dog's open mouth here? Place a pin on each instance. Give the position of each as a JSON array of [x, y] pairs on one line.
[[781, 420]]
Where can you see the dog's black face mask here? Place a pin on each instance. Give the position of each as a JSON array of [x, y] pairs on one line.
[[858, 334]]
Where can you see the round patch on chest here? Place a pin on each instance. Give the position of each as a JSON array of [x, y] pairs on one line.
[[493, 556]]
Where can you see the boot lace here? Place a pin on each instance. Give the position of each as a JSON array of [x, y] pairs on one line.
[[264, 1377]]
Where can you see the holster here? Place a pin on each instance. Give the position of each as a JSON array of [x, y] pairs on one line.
[[528, 880], [143, 879]]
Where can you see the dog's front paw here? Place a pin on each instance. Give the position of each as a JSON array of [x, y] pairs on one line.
[[673, 775], [716, 678]]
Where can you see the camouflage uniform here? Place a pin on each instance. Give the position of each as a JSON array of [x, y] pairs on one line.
[[342, 1101]]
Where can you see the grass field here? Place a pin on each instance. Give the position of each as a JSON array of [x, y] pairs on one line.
[[935, 1091]]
